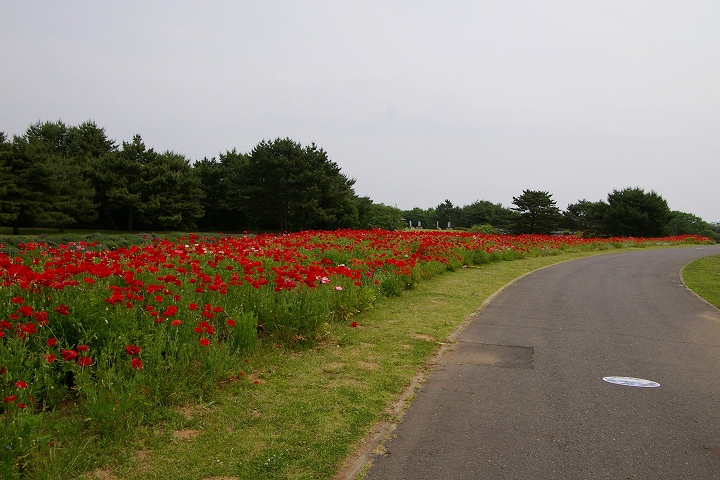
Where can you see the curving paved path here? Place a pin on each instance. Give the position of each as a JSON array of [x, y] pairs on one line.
[[521, 395]]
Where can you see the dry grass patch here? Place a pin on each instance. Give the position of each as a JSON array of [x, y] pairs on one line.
[[185, 434], [419, 336]]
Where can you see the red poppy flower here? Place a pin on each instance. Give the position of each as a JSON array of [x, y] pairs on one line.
[[41, 318], [8, 399], [69, 355], [17, 300], [204, 342], [193, 306], [132, 349], [82, 348], [354, 324], [84, 361], [176, 323], [63, 309], [136, 363], [51, 342], [25, 330], [231, 322], [49, 357], [26, 310], [170, 311], [204, 326], [20, 384]]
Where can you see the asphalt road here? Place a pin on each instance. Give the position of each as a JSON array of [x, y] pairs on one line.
[[522, 396]]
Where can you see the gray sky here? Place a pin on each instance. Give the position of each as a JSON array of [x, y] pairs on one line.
[[418, 101]]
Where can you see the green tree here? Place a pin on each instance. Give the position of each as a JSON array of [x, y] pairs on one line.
[[686, 223], [51, 188], [483, 212], [9, 207], [586, 217], [221, 182], [446, 213], [715, 229], [538, 212], [118, 180], [86, 142], [291, 187], [173, 193], [633, 212], [377, 215], [426, 218], [147, 189]]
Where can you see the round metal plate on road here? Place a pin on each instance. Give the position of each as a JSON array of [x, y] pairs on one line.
[[632, 382]]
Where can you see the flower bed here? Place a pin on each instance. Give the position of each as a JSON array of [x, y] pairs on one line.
[[118, 332]]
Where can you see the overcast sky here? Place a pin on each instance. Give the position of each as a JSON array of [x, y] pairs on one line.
[[418, 101]]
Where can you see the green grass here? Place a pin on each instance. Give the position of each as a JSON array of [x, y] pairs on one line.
[[703, 277], [301, 414]]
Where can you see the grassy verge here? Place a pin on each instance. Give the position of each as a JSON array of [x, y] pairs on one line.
[[299, 414], [703, 277]]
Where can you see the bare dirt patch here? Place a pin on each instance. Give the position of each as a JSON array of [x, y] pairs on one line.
[[187, 411], [348, 382], [419, 336], [186, 434], [102, 474], [334, 367], [143, 462], [369, 365]]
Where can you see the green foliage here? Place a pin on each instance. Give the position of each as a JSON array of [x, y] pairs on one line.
[[9, 206], [419, 217], [377, 215], [633, 212], [538, 212], [51, 188], [715, 229], [485, 229], [586, 217], [483, 212], [682, 223], [291, 187], [60, 176], [221, 182], [137, 187], [447, 214]]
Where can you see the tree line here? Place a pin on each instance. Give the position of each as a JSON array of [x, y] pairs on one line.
[[627, 212], [61, 176]]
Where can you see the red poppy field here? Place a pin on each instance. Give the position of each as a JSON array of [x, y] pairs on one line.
[[115, 333]]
